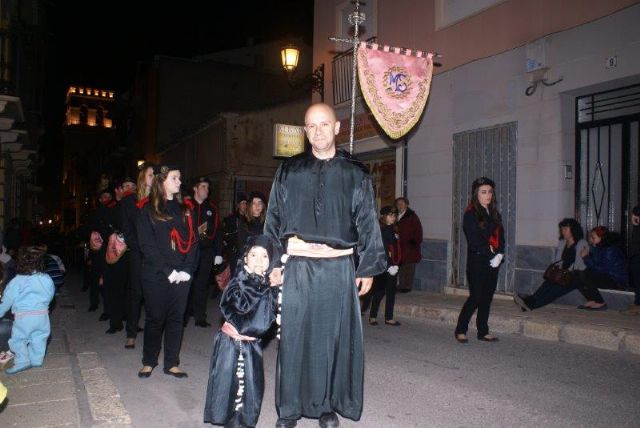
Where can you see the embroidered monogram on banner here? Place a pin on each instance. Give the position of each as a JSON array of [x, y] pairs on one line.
[[395, 85]]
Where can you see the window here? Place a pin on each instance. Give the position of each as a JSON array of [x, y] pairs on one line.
[[448, 12]]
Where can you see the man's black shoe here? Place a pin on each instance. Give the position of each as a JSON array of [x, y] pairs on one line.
[[93, 308], [114, 330], [104, 317], [286, 423], [203, 324], [329, 420]]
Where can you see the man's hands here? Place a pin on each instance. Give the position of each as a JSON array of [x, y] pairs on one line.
[[276, 277], [217, 260], [393, 270], [364, 284]]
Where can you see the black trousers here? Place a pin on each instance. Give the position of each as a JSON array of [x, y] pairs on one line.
[[97, 270], [116, 278], [200, 287], [164, 306], [589, 281], [483, 280], [383, 285], [134, 293]]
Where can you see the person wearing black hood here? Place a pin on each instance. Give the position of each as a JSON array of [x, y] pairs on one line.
[[100, 227], [169, 248], [249, 305], [205, 216], [482, 225]]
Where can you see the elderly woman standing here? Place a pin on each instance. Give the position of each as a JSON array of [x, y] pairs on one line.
[[482, 225], [169, 248]]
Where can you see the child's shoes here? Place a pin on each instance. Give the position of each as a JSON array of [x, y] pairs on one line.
[[6, 360], [17, 369]]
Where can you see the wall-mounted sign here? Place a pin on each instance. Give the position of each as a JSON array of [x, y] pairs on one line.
[[288, 140], [363, 128]]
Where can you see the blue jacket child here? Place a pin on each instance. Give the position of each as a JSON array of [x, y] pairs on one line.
[[28, 296]]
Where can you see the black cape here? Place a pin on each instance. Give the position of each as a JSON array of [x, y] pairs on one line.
[[250, 305]]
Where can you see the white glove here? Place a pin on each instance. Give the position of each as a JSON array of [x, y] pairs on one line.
[[393, 270], [217, 260], [174, 277], [284, 258], [496, 260], [183, 276]]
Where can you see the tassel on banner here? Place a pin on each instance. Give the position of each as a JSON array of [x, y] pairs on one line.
[[240, 375], [278, 313], [399, 50]]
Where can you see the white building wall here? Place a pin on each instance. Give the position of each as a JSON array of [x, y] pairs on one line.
[[491, 91]]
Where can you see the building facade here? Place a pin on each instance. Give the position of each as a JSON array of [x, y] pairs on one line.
[[214, 115], [539, 95], [92, 148], [22, 61]]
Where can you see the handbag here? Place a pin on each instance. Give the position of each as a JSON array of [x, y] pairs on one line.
[[556, 274], [116, 248]]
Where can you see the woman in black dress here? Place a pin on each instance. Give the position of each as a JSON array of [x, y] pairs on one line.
[[168, 243], [482, 225]]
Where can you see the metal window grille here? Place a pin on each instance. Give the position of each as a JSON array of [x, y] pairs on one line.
[[489, 152]]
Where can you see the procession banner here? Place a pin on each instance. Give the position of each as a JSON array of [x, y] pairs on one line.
[[395, 85]]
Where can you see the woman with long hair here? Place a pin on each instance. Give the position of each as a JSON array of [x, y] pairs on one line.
[[482, 225], [131, 207], [169, 248], [252, 222]]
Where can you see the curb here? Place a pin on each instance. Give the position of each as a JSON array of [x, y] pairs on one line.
[[594, 336]]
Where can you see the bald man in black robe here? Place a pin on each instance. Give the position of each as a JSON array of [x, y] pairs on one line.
[[322, 210]]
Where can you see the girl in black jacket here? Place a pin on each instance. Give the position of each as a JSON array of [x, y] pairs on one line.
[[385, 283], [169, 247], [482, 227]]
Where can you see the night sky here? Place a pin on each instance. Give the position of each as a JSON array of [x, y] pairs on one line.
[[99, 45]]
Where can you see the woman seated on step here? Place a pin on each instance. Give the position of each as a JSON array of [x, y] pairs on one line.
[[570, 248], [606, 267]]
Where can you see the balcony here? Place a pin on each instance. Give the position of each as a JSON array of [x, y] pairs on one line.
[[342, 72]]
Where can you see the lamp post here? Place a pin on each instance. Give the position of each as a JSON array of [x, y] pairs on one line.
[[290, 55]]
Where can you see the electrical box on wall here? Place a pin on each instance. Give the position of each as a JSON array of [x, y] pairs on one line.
[[537, 56]]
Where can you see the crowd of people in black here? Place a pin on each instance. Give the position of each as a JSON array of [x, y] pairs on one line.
[[149, 245]]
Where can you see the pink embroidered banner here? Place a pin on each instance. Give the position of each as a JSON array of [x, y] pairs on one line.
[[395, 86]]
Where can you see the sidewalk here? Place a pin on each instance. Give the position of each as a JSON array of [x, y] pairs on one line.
[[71, 389], [608, 330]]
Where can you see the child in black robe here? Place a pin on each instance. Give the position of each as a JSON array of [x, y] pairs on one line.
[[236, 374]]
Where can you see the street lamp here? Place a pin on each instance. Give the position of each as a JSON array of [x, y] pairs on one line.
[[290, 56]]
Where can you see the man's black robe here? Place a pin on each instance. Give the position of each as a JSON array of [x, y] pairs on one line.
[[321, 356]]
